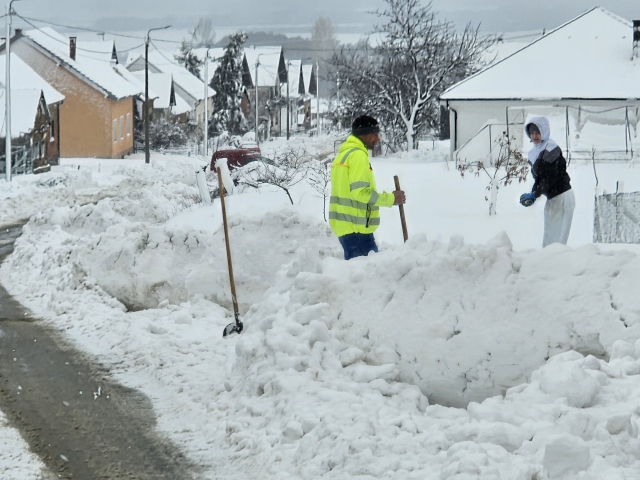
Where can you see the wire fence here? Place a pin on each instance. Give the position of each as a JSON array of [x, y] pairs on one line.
[[22, 159], [616, 218]]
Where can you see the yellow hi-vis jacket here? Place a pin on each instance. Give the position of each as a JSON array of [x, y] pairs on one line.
[[355, 203]]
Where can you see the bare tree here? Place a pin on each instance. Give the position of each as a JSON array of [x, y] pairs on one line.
[[319, 177], [509, 165], [203, 34], [400, 79], [323, 39], [287, 168]]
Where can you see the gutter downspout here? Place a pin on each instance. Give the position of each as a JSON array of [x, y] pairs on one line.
[[455, 134]]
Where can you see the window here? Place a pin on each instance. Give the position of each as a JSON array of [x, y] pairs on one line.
[[42, 146], [121, 127], [128, 124], [115, 130], [52, 135]]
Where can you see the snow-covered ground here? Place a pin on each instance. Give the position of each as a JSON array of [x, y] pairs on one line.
[[16, 461], [467, 353]]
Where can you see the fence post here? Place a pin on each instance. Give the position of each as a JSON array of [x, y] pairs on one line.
[[620, 210]]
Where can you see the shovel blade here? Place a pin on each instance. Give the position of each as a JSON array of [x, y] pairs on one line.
[[232, 328]]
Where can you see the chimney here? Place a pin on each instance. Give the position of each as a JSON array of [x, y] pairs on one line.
[[18, 32], [636, 39], [72, 47]]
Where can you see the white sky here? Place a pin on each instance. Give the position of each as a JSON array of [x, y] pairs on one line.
[[297, 16]]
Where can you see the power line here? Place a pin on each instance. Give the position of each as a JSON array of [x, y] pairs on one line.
[[84, 29], [65, 43]]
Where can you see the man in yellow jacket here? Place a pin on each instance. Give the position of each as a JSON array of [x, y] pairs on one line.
[[354, 213]]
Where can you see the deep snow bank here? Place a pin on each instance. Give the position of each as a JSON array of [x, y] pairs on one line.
[[463, 322], [142, 264], [324, 382]]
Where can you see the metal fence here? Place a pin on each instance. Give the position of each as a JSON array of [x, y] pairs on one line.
[[21, 161], [617, 218]]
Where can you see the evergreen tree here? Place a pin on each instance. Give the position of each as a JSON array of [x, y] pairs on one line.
[[188, 60], [227, 82]]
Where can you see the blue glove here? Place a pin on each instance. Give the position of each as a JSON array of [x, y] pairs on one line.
[[527, 199]]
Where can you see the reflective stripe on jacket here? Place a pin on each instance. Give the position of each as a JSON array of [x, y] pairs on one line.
[[355, 203]]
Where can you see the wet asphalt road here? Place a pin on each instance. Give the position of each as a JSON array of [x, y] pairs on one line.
[[81, 423]]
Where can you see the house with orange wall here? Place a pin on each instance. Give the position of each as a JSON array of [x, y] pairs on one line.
[[96, 118]]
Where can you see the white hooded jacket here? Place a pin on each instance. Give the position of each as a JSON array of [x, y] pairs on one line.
[[547, 145]]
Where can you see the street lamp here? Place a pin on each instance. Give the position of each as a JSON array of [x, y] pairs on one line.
[[7, 97], [146, 92], [206, 104], [257, 114]]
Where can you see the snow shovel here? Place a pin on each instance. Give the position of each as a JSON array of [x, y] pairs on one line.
[[237, 326], [405, 234]]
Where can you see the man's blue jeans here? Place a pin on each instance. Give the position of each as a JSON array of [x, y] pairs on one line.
[[357, 245]]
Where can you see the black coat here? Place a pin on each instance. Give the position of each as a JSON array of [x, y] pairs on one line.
[[550, 174]]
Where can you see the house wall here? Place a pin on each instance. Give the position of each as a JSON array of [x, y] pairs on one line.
[[85, 125], [53, 144], [265, 95], [122, 114], [467, 117]]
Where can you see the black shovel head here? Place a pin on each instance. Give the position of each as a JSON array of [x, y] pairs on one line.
[[232, 328]]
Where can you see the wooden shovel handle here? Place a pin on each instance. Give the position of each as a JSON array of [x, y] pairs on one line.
[[226, 241], [405, 234]]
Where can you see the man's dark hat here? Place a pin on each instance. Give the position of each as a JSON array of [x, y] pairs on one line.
[[364, 124]]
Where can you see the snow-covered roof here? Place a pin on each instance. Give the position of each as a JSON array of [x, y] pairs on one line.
[[133, 80], [269, 63], [98, 73], [99, 50], [24, 77], [307, 74], [588, 57], [163, 61], [162, 85], [24, 108], [294, 67]]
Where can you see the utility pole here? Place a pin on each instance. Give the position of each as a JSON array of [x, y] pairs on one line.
[[147, 157], [288, 103], [338, 101], [318, 98], [7, 96], [257, 118], [206, 105]]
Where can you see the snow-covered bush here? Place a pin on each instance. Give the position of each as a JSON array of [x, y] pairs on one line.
[[287, 168], [166, 133]]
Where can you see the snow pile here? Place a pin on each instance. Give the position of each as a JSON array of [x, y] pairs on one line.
[[142, 264], [16, 461], [464, 322], [81, 181], [340, 360], [326, 378], [322, 381]]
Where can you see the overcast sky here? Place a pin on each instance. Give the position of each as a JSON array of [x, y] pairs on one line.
[[293, 16]]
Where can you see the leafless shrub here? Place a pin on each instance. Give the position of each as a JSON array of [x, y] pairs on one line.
[[509, 165], [287, 168]]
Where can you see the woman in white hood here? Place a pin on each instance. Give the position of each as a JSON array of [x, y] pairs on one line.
[[549, 170]]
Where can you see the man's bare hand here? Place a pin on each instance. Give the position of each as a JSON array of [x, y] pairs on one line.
[[401, 198]]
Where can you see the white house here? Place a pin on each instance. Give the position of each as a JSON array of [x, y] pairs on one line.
[[583, 75], [187, 86], [166, 102], [35, 119], [264, 70], [293, 89]]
